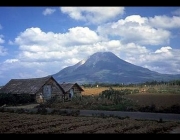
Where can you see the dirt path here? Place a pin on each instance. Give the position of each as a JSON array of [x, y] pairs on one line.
[[24, 106]]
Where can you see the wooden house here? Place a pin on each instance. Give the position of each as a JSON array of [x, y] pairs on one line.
[[40, 89], [71, 90]]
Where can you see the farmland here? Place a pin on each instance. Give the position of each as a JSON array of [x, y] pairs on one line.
[[58, 124], [162, 99], [149, 98], [160, 96]]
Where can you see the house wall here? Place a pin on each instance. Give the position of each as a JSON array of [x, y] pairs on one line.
[[77, 91], [56, 91]]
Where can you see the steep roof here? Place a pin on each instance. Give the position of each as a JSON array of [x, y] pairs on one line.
[[23, 86], [68, 86]]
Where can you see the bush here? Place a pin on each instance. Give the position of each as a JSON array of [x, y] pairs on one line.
[[23, 99], [11, 99], [149, 108], [7, 99]]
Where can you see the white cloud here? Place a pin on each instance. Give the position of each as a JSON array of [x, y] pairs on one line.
[[36, 73], [163, 49], [34, 39], [93, 15], [1, 39], [50, 52], [11, 60], [3, 51], [82, 35], [176, 12], [165, 22], [48, 11], [135, 29], [45, 53], [10, 42], [38, 46], [164, 60], [14, 68]]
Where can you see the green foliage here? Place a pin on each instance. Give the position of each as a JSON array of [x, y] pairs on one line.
[[150, 108], [11, 99], [151, 90], [172, 109], [49, 102], [7, 99], [117, 96], [23, 99]]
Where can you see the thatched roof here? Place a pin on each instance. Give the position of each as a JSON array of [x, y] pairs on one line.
[[68, 86], [26, 86]]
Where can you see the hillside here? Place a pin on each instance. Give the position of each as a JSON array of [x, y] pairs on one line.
[[106, 67]]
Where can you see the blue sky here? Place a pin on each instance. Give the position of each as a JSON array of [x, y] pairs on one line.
[[40, 41]]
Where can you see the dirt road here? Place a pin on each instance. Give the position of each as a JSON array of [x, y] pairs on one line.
[[134, 115]]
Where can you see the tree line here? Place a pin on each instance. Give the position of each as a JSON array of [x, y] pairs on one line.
[[154, 82]]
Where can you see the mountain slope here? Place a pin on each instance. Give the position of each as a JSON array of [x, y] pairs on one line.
[[106, 67]]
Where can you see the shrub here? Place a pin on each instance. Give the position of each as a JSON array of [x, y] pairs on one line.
[[11, 99], [7, 99], [23, 99]]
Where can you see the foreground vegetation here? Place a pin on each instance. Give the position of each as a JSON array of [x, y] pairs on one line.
[[163, 98], [145, 98], [122, 99], [17, 123]]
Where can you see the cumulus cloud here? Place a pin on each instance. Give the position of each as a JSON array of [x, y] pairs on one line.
[[14, 68], [164, 60], [3, 51], [48, 11], [131, 38], [135, 29], [163, 50], [165, 22], [54, 51], [47, 53], [11, 60], [50, 52], [34, 39], [93, 15], [39, 46]]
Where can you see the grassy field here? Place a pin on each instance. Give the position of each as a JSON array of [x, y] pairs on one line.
[[160, 89], [161, 96], [97, 91]]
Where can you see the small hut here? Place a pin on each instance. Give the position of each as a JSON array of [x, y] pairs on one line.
[[71, 90]]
